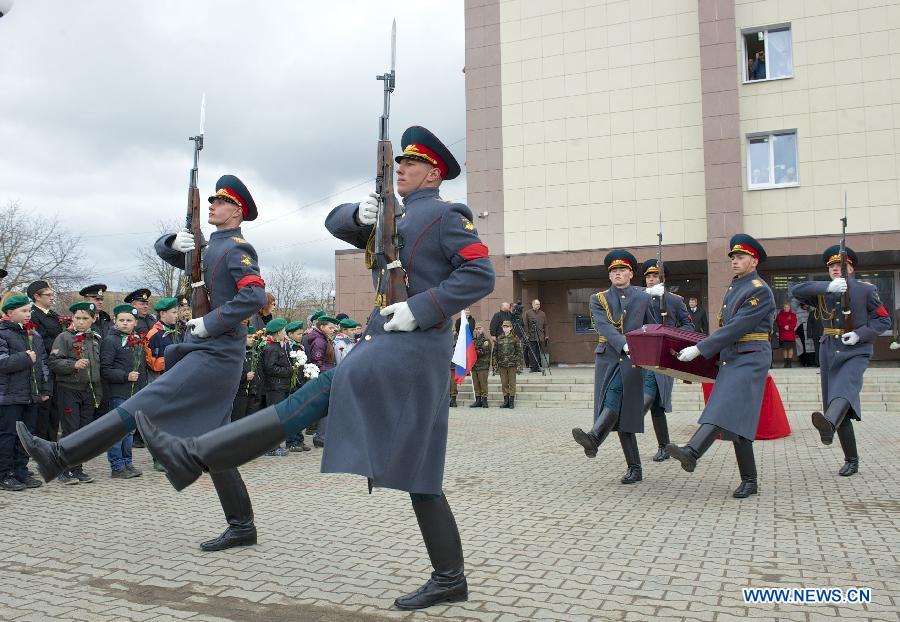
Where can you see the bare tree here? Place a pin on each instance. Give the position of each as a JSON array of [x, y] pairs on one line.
[[321, 296], [290, 284], [34, 247], [163, 279]]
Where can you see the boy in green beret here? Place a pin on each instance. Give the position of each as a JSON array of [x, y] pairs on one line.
[[162, 334], [124, 369], [23, 385], [297, 354], [75, 360], [276, 366]]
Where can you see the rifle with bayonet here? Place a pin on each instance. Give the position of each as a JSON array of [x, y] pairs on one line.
[[845, 274], [199, 292], [663, 310], [393, 281]]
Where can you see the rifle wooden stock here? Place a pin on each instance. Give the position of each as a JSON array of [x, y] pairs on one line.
[[394, 278], [199, 295]]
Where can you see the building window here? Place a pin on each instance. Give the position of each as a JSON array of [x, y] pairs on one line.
[[772, 160], [768, 54], [583, 324]]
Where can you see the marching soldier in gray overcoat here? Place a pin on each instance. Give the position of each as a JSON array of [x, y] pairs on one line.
[[844, 354], [658, 387], [196, 392], [387, 418], [745, 353], [618, 385]]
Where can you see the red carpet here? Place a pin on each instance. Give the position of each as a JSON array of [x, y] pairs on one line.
[[773, 421]]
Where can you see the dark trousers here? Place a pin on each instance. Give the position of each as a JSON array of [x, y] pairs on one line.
[[13, 459], [76, 410], [244, 405], [47, 426], [533, 355]]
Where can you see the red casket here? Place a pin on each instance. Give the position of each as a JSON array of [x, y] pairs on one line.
[[656, 347]]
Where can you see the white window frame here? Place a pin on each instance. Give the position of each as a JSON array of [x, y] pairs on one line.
[[745, 71], [771, 135]]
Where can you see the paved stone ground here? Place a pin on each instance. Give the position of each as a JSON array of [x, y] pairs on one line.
[[549, 535]]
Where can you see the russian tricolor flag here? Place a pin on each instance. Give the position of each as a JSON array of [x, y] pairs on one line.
[[464, 353]]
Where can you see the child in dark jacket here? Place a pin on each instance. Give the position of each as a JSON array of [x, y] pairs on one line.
[[75, 360], [276, 366], [123, 367], [23, 385]]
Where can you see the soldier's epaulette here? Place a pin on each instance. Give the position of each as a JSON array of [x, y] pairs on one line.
[[867, 283], [757, 283], [238, 240]]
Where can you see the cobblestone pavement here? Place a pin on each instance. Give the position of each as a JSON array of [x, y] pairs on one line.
[[548, 534]]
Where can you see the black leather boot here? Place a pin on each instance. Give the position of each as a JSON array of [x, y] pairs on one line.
[[847, 437], [661, 428], [512, 401], [505, 402], [477, 403], [484, 402], [232, 445], [592, 440], [238, 512], [834, 415], [441, 535], [453, 402], [702, 440], [71, 450], [743, 451], [632, 458]]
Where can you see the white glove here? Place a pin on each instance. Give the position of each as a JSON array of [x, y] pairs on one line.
[[837, 286], [184, 241], [403, 319], [625, 349], [895, 345], [850, 339], [689, 354], [657, 290], [197, 327], [367, 212]]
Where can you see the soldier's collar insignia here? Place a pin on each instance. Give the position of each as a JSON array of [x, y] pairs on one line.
[[467, 224], [246, 260], [239, 240], [756, 283]]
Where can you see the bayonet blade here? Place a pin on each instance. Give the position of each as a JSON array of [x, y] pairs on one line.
[[202, 113], [393, 45]]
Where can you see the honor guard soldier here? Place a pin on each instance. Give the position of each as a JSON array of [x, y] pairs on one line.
[[843, 354], [140, 300], [387, 419], [618, 385], [102, 321], [196, 393], [658, 387], [745, 354]]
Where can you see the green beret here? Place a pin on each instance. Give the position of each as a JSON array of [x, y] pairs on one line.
[[14, 302], [316, 315], [348, 323], [326, 319], [164, 304], [124, 309], [84, 305], [275, 325], [295, 325]]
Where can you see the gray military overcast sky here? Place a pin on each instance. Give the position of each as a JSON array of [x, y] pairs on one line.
[[98, 100]]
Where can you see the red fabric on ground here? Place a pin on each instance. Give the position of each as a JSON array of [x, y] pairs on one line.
[[773, 421]]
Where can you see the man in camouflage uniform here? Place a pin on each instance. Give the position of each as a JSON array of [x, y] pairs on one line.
[[481, 367], [508, 360]]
